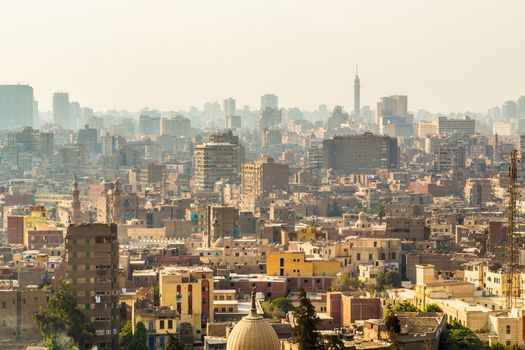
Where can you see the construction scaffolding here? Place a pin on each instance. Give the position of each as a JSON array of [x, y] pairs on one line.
[[511, 266]]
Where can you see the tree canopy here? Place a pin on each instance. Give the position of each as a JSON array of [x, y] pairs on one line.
[[173, 342], [126, 334], [62, 323], [432, 308], [389, 279], [139, 338], [455, 336], [306, 320], [278, 307], [345, 283], [406, 307]]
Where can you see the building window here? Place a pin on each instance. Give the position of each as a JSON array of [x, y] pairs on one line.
[[161, 324], [358, 257], [507, 329], [170, 324]]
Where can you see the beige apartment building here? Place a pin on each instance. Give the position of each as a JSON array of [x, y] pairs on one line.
[[17, 308], [264, 176], [356, 153], [363, 251], [215, 161]]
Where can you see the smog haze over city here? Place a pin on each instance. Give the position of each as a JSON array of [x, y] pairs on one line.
[[262, 175]]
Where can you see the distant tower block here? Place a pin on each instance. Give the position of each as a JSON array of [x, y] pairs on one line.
[[357, 93]]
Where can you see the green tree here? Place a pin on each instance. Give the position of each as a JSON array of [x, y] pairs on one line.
[[389, 279], [61, 322], [346, 283], [432, 308], [380, 212], [393, 326], [278, 307], [306, 320], [405, 306], [173, 342], [126, 334], [156, 296], [455, 336], [139, 338]]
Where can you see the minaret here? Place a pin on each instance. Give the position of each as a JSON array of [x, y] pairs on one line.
[[357, 93], [495, 145], [75, 204], [117, 207]]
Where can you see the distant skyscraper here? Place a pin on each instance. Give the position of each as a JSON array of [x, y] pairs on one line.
[[269, 101], [521, 106], [229, 106], [357, 94], [74, 115], [16, 106], [509, 110], [61, 110], [392, 116]]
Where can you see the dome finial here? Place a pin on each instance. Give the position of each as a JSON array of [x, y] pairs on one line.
[[253, 308]]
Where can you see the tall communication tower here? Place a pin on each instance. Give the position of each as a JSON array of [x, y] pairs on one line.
[[511, 249]]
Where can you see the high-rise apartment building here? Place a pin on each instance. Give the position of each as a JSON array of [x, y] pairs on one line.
[[509, 110], [88, 137], [177, 126], [61, 110], [392, 116], [16, 106], [356, 153], [449, 156], [92, 255], [233, 122], [75, 113], [521, 107], [109, 144], [465, 126], [228, 107], [263, 176], [149, 126], [269, 101], [32, 141], [215, 161]]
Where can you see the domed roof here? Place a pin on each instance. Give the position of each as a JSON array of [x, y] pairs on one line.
[[253, 333], [219, 243], [362, 221]]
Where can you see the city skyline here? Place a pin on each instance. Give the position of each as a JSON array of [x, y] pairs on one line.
[[186, 54]]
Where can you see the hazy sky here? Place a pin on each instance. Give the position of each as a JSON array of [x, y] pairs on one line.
[[446, 55]]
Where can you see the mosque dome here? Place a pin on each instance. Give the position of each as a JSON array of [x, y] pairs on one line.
[[362, 221], [219, 243], [253, 333]]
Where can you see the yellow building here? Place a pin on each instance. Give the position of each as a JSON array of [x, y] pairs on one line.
[[158, 321], [37, 215], [189, 290], [292, 263]]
